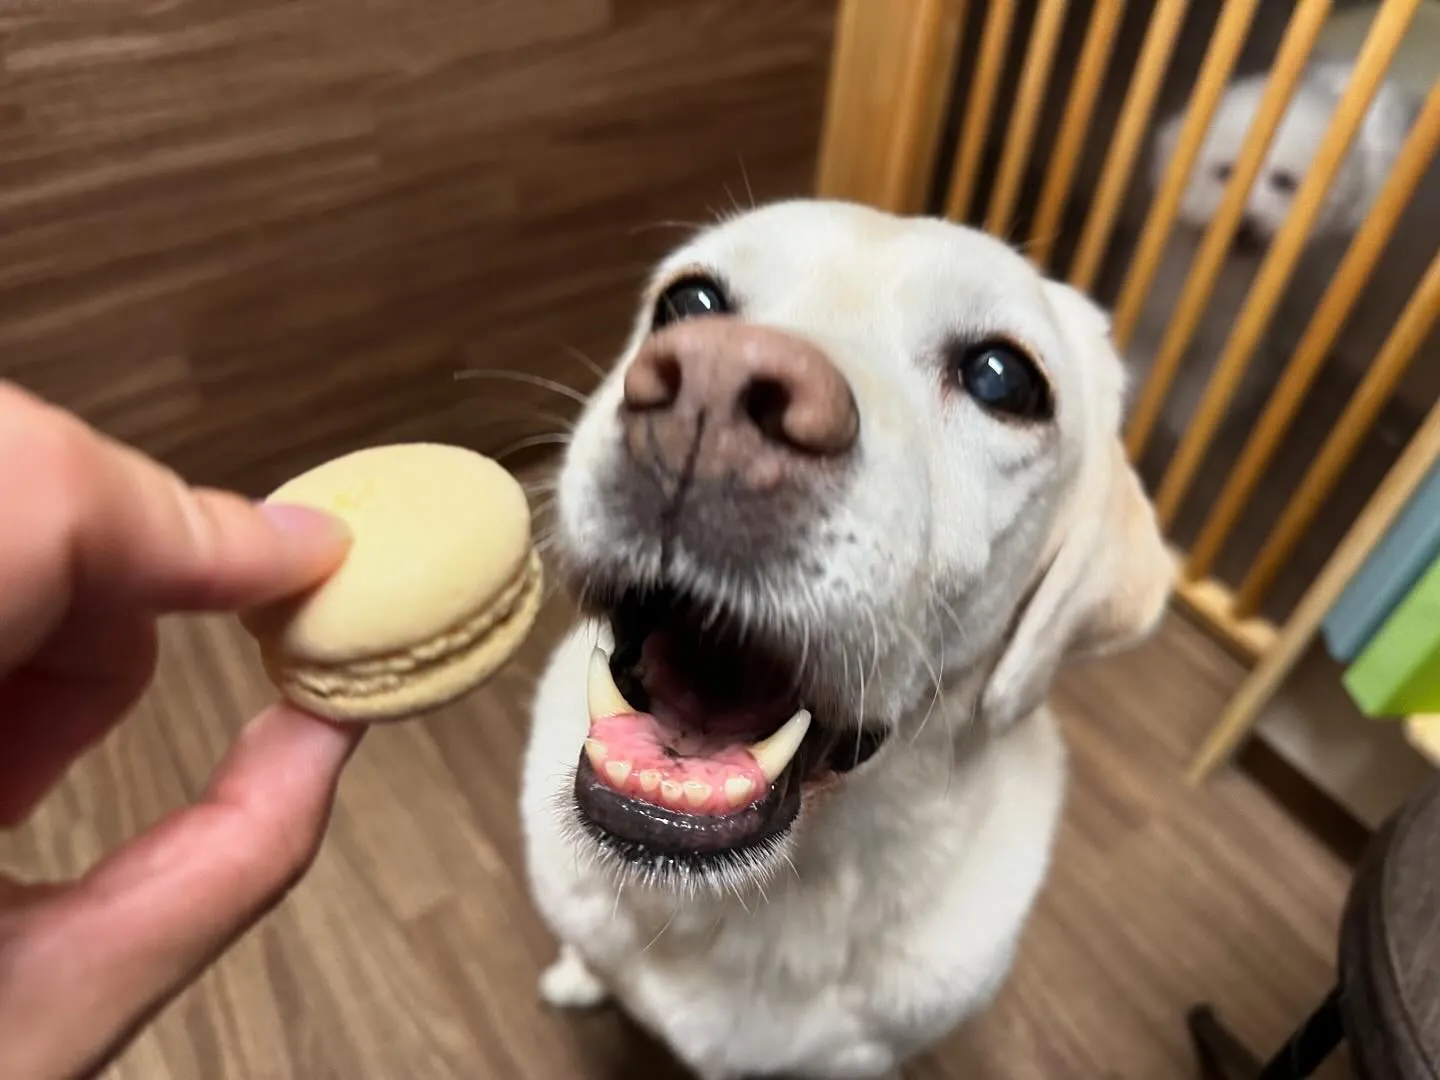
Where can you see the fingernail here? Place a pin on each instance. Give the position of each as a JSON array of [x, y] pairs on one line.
[[305, 522]]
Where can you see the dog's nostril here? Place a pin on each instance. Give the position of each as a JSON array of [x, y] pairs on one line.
[[765, 402], [653, 381], [667, 369]]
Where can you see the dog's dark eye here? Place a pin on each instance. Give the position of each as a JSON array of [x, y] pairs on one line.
[[1003, 379], [1284, 182], [687, 298]]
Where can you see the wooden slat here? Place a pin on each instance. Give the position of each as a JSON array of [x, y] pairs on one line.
[[842, 135], [1074, 127], [1034, 81], [1423, 733], [1331, 312], [1213, 604], [1299, 631], [891, 70], [1161, 37], [934, 43], [1389, 366], [1210, 86], [1386, 34], [994, 38]]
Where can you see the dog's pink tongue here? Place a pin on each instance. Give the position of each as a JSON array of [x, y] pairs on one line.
[[635, 755]]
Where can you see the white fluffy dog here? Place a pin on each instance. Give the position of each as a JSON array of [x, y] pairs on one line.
[[1268, 204], [850, 496]]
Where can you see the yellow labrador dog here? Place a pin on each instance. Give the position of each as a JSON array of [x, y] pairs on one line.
[[850, 496]]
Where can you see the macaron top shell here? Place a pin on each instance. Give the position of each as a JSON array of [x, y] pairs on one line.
[[438, 534]]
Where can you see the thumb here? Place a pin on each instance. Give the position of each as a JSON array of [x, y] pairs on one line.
[[176, 548], [86, 964]]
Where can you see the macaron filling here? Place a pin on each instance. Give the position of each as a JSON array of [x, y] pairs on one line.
[[372, 676]]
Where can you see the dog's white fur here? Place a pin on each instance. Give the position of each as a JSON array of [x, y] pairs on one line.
[[968, 556], [1288, 159]]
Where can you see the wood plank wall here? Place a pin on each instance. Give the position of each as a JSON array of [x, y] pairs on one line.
[[249, 236]]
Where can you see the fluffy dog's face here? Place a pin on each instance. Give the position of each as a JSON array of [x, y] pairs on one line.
[[847, 461], [1287, 160]]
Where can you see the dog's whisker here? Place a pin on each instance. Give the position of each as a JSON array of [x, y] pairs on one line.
[[690, 226], [1028, 246], [929, 711], [579, 354], [532, 441], [734, 202], [764, 896], [522, 416], [860, 727], [960, 741], [949, 612], [785, 855], [804, 656], [920, 654], [720, 214], [526, 377], [661, 932], [745, 175]]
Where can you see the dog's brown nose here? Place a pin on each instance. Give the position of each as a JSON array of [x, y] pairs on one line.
[[727, 397]]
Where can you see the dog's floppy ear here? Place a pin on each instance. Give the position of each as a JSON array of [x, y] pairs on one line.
[[1107, 574]]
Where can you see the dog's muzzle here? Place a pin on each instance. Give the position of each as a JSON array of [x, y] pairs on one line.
[[736, 439]]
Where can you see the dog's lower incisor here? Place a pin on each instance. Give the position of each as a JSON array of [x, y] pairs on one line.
[[852, 493]]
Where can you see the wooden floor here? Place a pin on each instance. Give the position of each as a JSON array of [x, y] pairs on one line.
[[411, 951]]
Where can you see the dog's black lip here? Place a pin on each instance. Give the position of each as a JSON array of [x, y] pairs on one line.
[[642, 831]]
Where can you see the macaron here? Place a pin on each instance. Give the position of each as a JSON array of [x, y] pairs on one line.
[[440, 586]]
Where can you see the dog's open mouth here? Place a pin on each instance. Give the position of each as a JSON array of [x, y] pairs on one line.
[[700, 743]]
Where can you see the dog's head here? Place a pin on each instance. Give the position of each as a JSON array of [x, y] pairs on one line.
[[848, 463], [1300, 133]]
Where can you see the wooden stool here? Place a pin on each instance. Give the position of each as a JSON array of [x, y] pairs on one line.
[[1386, 1005]]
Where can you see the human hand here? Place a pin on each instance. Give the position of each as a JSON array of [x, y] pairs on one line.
[[98, 542]]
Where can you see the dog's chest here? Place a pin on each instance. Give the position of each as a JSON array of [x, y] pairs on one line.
[[751, 991]]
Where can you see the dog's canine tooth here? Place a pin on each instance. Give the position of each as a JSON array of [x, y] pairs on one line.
[[776, 752], [602, 695]]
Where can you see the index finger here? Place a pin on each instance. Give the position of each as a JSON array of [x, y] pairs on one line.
[[94, 520]]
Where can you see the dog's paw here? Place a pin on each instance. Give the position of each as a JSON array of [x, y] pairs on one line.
[[569, 984]]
